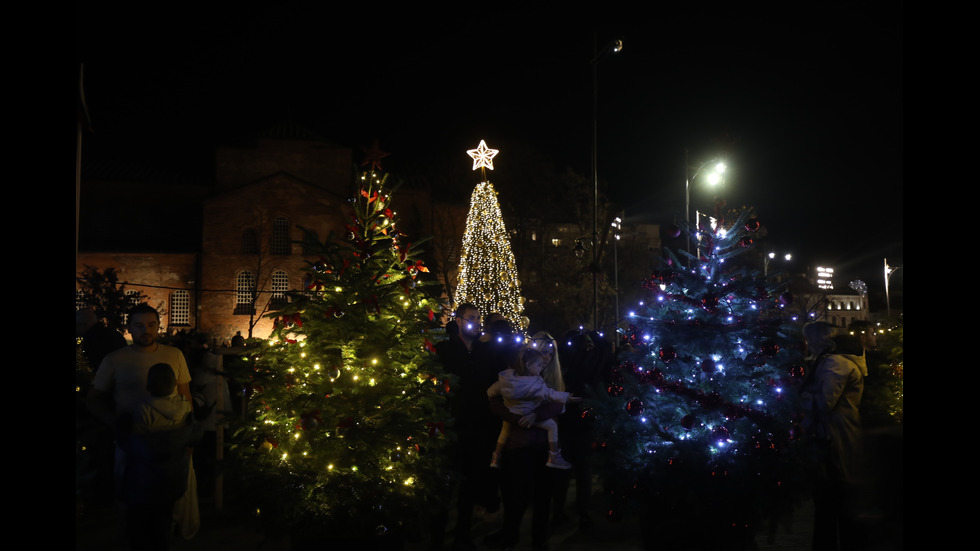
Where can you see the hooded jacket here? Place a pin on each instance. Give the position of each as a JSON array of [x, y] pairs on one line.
[[833, 399]]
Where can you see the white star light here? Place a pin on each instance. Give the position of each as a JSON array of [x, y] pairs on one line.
[[482, 156]]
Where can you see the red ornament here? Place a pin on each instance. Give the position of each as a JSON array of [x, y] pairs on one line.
[[708, 365], [668, 354], [687, 421], [615, 390], [634, 407], [752, 225], [710, 302]]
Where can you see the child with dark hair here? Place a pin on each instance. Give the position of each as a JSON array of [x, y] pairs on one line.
[[158, 460]]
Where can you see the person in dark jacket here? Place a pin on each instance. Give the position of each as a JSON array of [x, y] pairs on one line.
[[464, 356]]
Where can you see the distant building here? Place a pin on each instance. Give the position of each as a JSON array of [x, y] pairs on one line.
[[819, 299], [247, 222]]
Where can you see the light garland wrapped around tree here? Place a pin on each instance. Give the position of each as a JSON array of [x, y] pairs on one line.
[[347, 414], [697, 423], [487, 270]]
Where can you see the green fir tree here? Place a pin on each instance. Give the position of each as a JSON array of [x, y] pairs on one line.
[[697, 423], [345, 424]]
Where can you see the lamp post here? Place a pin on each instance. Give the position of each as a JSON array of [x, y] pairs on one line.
[[614, 46], [889, 270], [765, 263], [714, 177]]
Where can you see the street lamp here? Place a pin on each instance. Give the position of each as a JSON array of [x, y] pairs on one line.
[[714, 177], [617, 225], [889, 270], [765, 264], [614, 46]]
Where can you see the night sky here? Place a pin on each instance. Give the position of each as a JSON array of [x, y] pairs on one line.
[[805, 106]]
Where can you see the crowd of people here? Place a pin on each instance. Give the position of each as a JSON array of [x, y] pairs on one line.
[[521, 433], [518, 411]]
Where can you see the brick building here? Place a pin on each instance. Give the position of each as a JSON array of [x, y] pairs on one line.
[[247, 222]]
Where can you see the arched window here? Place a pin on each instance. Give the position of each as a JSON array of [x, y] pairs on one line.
[[132, 299], [280, 284], [250, 241], [280, 243], [180, 308], [245, 294]]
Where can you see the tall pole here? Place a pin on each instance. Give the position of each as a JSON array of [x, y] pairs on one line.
[[888, 275], [615, 46], [618, 224], [595, 188], [687, 204], [719, 169], [888, 305]]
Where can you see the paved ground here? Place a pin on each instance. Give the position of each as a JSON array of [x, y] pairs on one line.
[[881, 517], [95, 531]]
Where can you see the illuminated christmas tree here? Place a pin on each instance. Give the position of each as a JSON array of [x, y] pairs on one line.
[[345, 422], [487, 271], [697, 422]]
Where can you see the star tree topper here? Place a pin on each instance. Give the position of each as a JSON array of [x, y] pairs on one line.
[[482, 156], [373, 156]]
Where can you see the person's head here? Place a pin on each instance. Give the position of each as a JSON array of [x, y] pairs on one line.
[[819, 337], [865, 333], [532, 363], [84, 320], [499, 327], [545, 344], [468, 319], [144, 325], [492, 319], [160, 380]]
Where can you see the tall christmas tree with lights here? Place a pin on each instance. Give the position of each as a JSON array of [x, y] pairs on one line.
[[346, 417], [698, 420], [487, 271]]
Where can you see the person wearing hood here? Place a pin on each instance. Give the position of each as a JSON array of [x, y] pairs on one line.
[[832, 398]]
